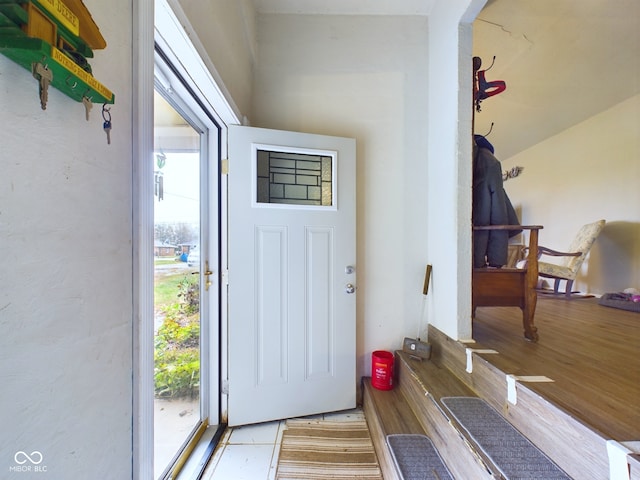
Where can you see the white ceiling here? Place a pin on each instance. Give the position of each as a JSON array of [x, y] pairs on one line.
[[562, 60]]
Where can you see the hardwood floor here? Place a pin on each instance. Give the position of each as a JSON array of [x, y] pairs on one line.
[[591, 352]]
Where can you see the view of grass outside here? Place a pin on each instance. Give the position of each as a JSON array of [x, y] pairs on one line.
[[176, 357], [176, 348]]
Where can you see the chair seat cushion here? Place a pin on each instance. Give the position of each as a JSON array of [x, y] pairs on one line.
[[552, 270]]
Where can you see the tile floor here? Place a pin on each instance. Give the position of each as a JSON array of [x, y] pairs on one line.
[[251, 452]]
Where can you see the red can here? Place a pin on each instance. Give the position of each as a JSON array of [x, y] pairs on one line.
[[382, 370]]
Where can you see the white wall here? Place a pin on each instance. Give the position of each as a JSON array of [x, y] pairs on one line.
[[226, 32], [588, 172], [362, 77], [449, 166], [65, 280]]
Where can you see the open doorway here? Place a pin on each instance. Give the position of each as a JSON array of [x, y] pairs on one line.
[[186, 320]]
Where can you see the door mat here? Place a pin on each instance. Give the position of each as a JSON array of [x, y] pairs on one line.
[[327, 449], [512, 453], [416, 458]]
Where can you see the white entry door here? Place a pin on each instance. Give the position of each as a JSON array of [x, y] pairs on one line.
[[291, 292]]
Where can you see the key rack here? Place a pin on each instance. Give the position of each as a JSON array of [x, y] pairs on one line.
[[53, 39]]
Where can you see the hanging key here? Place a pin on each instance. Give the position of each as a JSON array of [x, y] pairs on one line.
[[44, 77], [87, 107], [106, 115], [107, 128]]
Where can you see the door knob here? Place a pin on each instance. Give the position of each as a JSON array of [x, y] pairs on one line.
[[349, 288]]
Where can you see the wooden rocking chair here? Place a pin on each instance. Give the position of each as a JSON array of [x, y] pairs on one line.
[[571, 260]]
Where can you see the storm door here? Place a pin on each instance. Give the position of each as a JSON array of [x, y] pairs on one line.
[[186, 272]]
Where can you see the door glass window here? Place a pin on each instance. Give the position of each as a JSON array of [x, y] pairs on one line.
[[177, 240], [294, 178]]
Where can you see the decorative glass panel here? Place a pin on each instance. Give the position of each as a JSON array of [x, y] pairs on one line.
[[294, 178]]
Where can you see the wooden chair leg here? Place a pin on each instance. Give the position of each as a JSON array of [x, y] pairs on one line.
[[528, 312], [568, 288], [530, 330]]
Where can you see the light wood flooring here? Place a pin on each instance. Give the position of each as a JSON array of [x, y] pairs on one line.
[[591, 352]]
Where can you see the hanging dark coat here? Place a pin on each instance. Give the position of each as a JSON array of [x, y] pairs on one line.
[[491, 206]]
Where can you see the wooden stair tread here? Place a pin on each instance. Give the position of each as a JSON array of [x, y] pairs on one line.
[[508, 449], [436, 380], [393, 410], [433, 382], [574, 446], [423, 384], [387, 412]]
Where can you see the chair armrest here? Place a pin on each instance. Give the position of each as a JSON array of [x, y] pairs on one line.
[[507, 227], [554, 253]]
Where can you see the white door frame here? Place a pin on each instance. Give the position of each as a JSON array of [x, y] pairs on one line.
[[156, 21], [143, 391]]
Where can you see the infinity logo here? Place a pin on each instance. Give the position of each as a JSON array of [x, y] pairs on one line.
[[22, 457]]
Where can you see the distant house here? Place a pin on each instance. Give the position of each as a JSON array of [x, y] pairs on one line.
[[186, 247], [164, 249]]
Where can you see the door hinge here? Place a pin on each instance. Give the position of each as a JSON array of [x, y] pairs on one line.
[[224, 166], [225, 386], [225, 277]]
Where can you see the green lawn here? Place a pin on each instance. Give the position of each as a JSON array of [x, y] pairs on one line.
[[165, 261], [177, 340], [166, 288]]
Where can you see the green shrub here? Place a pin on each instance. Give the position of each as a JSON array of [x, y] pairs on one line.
[[177, 373], [176, 349], [189, 296]]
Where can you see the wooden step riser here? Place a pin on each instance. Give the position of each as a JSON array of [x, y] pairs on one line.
[[457, 455], [574, 447], [577, 449], [378, 436]]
